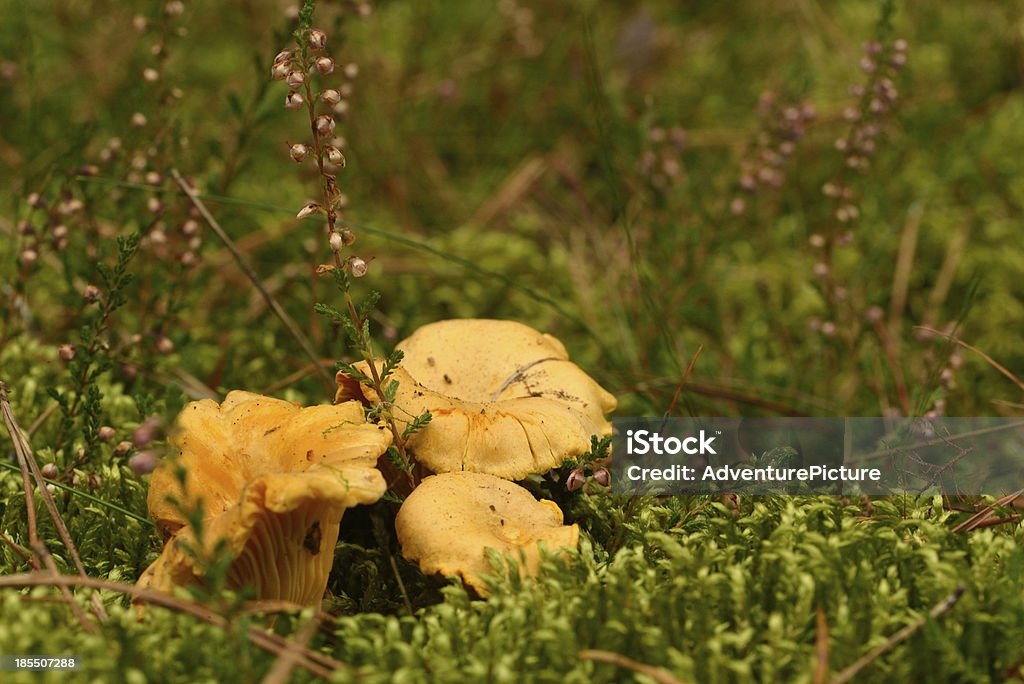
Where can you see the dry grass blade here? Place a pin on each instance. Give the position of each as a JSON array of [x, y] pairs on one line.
[[983, 517], [899, 637], [282, 315], [288, 659], [821, 649], [988, 359], [27, 461], [316, 663], [656, 673]]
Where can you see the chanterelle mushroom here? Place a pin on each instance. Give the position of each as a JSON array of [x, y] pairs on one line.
[[505, 399], [448, 521], [273, 480]]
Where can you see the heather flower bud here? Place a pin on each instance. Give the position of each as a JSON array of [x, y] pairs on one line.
[[828, 329], [347, 236], [122, 448], [357, 267], [575, 480], [280, 70], [299, 151], [821, 269], [147, 432], [283, 56], [150, 75], [308, 209], [293, 100], [317, 39], [188, 259], [66, 352], [59, 231], [602, 476], [164, 345], [51, 489], [50, 471], [737, 206], [36, 201], [153, 178], [295, 79], [190, 227], [816, 240], [25, 228], [330, 96], [334, 155], [325, 65], [106, 433], [143, 463], [324, 124], [138, 120], [154, 205], [91, 293], [336, 242]]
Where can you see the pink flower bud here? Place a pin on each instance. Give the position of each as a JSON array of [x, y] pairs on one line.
[[334, 155], [122, 448], [50, 471], [164, 345], [317, 39], [351, 70], [357, 267], [283, 56], [106, 433], [308, 209], [299, 151], [295, 79], [293, 100], [602, 476], [143, 463], [91, 293], [575, 480], [66, 352], [139, 120], [324, 124], [324, 65], [280, 70], [336, 242], [331, 96]]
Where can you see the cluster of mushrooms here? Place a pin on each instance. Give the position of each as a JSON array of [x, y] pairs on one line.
[[272, 480]]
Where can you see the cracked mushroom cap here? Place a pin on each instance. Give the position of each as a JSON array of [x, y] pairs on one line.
[[483, 360], [512, 438], [273, 480], [504, 398], [446, 524]]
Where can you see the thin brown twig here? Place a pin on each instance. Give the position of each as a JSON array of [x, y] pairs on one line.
[[821, 648], [682, 382], [87, 625], [899, 637], [976, 520], [27, 461], [289, 657], [281, 314], [15, 548], [988, 359], [314, 662], [656, 673]]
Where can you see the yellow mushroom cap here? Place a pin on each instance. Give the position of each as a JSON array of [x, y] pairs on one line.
[[273, 480], [448, 521], [512, 438], [482, 360], [504, 398]]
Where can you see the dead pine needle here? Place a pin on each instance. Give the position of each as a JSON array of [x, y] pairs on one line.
[[656, 673], [899, 637], [282, 315], [28, 464]]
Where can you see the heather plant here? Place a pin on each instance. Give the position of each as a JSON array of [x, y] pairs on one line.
[[735, 210]]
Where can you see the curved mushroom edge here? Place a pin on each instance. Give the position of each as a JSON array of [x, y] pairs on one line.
[[447, 524], [508, 438]]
